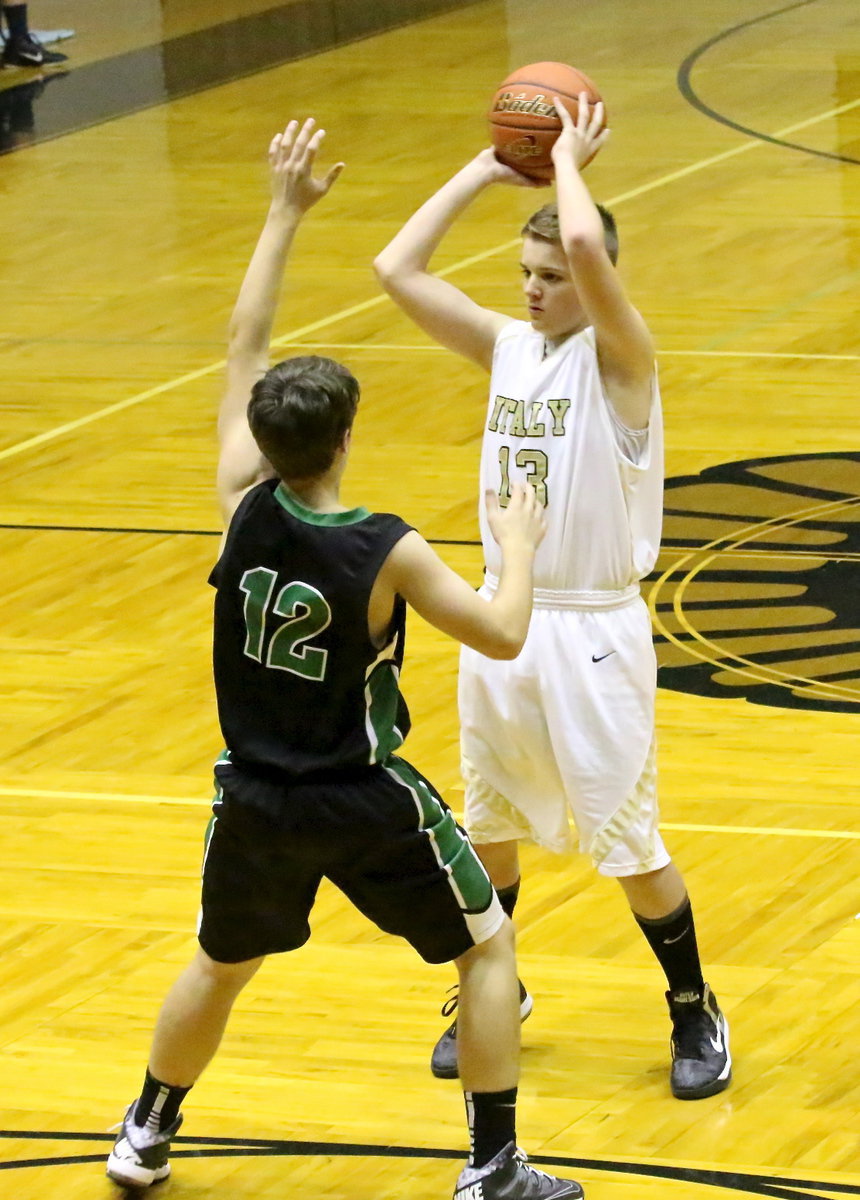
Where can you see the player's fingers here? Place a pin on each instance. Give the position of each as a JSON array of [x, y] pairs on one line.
[[275, 149], [563, 115], [492, 501], [597, 118], [522, 496], [303, 139], [601, 139], [308, 156], [282, 143], [534, 507], [583, 112], [332, 175]]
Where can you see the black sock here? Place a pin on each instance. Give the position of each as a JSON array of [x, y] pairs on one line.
[[673, 940], [159, 1103], [508, 897], [492, 1118], [16, 21]]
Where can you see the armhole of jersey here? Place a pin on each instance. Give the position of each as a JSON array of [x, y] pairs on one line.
[[228, 534], [401, 528], [633, 445], [501, 334]]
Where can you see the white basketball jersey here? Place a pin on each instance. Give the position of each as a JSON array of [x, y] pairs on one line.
[[550, 423]]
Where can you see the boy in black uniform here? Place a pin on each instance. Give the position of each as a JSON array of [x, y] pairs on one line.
[[309, 624]]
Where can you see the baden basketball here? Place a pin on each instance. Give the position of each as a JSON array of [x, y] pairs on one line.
[[523, 121]]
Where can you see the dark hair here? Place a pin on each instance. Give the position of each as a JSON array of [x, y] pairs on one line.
[[544, 225], [299, 412]]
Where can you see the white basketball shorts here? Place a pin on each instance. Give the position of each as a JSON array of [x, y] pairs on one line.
[[567, 728]]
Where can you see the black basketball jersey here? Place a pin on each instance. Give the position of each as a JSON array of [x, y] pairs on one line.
[[300, 686]]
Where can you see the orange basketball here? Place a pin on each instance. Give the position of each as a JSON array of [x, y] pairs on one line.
[[523, 121]]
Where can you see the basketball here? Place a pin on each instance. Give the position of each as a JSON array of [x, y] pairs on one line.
[[523, 121]]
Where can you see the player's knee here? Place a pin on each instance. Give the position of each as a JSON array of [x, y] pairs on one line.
[[505, 938], [498, 947], [223, 976]]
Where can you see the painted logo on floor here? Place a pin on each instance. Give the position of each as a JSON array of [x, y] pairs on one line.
[[757, 590]]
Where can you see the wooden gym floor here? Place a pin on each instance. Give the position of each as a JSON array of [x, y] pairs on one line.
[[132, 190]]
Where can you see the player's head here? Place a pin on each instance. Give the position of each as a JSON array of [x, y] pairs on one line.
[[544, 225], [554, 307], [300, 413]]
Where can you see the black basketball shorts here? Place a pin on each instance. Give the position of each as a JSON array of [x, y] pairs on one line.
[[384, 836]]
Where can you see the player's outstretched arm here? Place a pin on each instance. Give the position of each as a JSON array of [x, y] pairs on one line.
[[497, 627], [624, 347], [294, 190], [403, 267]]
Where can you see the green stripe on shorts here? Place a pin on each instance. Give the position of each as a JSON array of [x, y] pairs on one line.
[[453, 849]]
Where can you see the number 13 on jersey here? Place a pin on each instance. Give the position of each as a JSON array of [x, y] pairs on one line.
[[534, 462]]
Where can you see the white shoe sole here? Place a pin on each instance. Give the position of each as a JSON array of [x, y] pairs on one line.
[[130, 1175]]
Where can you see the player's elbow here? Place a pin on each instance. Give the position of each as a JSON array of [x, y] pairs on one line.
[[582, 245], [509, 651], [393, 273], [245, 341], [385, 268], [504, 645]]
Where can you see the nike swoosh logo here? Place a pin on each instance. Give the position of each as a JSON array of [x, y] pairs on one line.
[[600, 657], [717, 1042], [671, 941]]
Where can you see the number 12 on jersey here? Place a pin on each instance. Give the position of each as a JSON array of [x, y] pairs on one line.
[[304, 612]]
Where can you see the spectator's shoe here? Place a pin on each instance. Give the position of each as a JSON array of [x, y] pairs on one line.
[[443, 1061], [701, 1063], [28, 51], [509, 1176], [139, 1156]]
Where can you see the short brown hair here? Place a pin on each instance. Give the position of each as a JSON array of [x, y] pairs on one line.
[[544, 225], [299, 412]]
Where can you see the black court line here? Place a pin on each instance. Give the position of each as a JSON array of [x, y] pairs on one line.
[[113, 529], [687, 91], [667, 543], [179, 533], [66, 101], [219, 1147], [777, 549]]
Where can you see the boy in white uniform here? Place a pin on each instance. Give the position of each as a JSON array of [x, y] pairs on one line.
[[575, 410]]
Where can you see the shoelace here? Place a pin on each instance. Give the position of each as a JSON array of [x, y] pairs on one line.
[[690, 1032], [522, 1157], [451, 1003]]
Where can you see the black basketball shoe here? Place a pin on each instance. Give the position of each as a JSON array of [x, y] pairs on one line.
[[28, 51], [701, 1063], [443, 1060], [509, 1176], [139, 1156]]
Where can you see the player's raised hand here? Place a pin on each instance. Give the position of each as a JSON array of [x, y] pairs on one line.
[[522, 522], [580, 139], [498, 172], [291, 161]]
